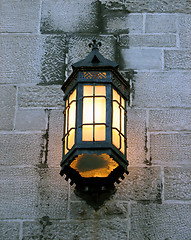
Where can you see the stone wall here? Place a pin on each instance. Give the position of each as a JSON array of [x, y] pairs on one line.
[[151, 40]]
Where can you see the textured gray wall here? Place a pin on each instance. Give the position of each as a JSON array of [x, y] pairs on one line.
[[40, 39]]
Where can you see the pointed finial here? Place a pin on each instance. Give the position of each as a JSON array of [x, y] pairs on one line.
[[94, 45]]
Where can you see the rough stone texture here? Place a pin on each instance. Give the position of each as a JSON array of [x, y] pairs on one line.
[[9, 230], [163, 40], [110, 210], [8, 101], [156, 221], [48, 229], [142, 184], [69, 16], [20, 58], [169, 120], [136, 126], [184, 24], [177, 183], [162, 89], [19, 16], [162, 23], [177, 59], [138, 58], [157, 6], [129, 23], [30, 120], [40, 96], [171, 148], [19, 187], [56, 123], [52, 192], [16, 149]]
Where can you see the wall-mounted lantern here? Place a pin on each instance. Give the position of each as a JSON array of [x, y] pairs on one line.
[[94, 142]]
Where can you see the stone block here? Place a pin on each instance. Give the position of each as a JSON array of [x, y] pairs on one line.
[[142, 184], [40, 96], [18, 16], [160, 23], [158, 6], [19, 193], [56, 123], [20, 58], [45, 228], [177, 183], [156, 221], [52, 193], [136, 130], [162, 89], [170, 120], [30, 120], [177, 59], [8, 102], [171, 148], [9, 230], [138, 58], [21, 149], [110, 210], [69, 16], [128, 23], [184, 24], [162, 40]]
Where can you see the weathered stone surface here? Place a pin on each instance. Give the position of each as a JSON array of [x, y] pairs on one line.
[[8, 102], [19, 193], [110, 210], [20, 58], [52, 192], [9, 230], [162, 89], [177, 183], [21, 149], [177, 59], [136, 127], [184, 24], [170, 6], [169, 120], [129, 23], [19, 16], [160, 23], [171, 148], [142, 183], [30, 120], [40, 96], [56, 124], [156, 221], [69, 16], [162, 40], [45, 228], [138, 58]]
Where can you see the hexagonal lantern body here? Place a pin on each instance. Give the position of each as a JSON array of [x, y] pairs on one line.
[[94, 142]]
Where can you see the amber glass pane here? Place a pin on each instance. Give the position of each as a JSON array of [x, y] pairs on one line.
[[66, 121], [122, 102], [122, 145], [88, 90], [100, 90], [65, 149], [115, 138], [100, 110], [87, 110], [99, 132], [72, 115], [72, 96], [116, 115], [87, 133], [116, 96], [122, 121], [66, 103], [71, 138]]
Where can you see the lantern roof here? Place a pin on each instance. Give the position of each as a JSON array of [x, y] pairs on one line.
[[95, 59]]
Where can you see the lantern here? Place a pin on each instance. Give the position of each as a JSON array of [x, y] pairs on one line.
[[94, 142]]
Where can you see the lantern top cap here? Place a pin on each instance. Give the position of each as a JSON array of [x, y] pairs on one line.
[[95, 58]]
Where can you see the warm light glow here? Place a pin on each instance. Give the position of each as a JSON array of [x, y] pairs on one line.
[[93, 165], [100, 110], [100, 133], [87, 110], [87, 133]]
